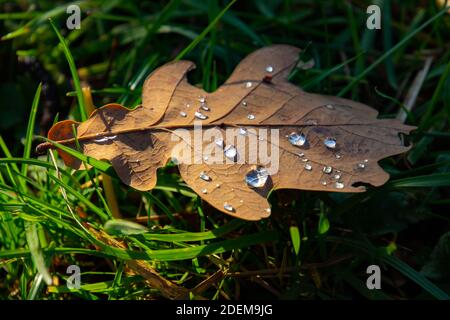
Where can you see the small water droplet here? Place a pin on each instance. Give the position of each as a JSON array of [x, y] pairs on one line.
[[204, 107], [337, 176], [366, 160], [248, 84], [268, 210], [313, 122], [217, 185], [324, 183], [204, 191], [244, 103], [200, 116], [183, 114], [330, 142], [230, 152], [297, 139], [301, 154], [228, 207], [269, 69], [205, 158], [329, 106], [361, 165], [241, 201], [202, 99], [188, 105], [251, 117], [105, 139], [305, 160], [327, 169], [219, 142], [308, 166], [339, 185], [243, 131], [257, 178], [260, 138], [204, 176], [338, 156]]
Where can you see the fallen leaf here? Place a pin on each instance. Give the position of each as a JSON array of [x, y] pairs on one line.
[[323, 142]]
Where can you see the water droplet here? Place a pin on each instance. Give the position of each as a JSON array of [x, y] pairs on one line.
[[327, 169], [228, 207], [204, 176], [257, 178], [297, 139], [301, 154], [268, 210], [324, 183], [305, 160], [339, 185], [230, 152], [204, 107], [330, 143], [217, 185], [269, 69], [313, 122], [338, 156], [366, 160], [251, 117], [308, 166], [188, 105], [260, 138], [202, 99], [337, 176], [329, 106], [183, 114], [200, 116], [204, 191], [243, 131], [105, 139], [241, 201], [205, 158], [244, 103], [248, 84], [361, 165], [219, 142]]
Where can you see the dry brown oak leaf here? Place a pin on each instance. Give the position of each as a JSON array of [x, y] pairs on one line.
[[259, 132]]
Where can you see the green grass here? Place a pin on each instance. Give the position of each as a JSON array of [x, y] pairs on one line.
[[315, 245]]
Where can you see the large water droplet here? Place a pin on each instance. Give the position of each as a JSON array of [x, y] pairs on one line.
[[330, 142], [251, 117], [230, 152], [204, 176], [339, 185], [243, 131], [257, 178], [228, 207], [269, 69], [297, 139], [219, 142], [327, 169], [200, 116]]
